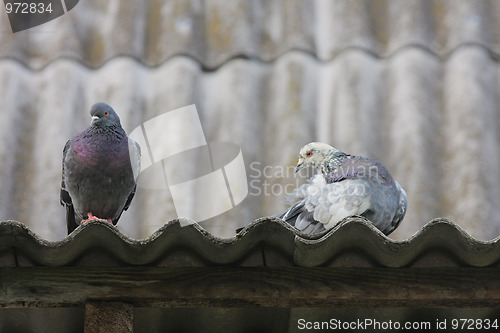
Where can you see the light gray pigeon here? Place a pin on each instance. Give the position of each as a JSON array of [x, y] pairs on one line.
[[345, 186], [98, 178]]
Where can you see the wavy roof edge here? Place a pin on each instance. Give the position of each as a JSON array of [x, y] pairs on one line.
[[205, 66], [265, 242]]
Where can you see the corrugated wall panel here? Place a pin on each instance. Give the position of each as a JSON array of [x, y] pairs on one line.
[[470, 125], [412, 83], [214, 31], [412, 124]]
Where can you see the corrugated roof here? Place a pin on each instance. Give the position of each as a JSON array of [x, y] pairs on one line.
[[265, 242], [268, 277], [411, 83], [214, 31]]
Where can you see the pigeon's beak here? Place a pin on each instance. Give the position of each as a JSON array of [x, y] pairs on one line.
[[299, 166], [94, 119]]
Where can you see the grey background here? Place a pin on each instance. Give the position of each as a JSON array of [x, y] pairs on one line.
[[412, 83]]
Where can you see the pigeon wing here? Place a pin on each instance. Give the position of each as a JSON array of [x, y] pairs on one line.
[[135, 161], [320, 205], [400, 210], [336, 201], [65, 198]]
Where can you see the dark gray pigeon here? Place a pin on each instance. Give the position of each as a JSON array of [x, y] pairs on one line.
[[99, 170], [345, 186]]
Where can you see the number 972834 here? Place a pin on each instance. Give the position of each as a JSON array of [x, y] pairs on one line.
[[28, 7]]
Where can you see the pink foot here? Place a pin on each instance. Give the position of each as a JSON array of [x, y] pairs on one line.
[[95, 218]]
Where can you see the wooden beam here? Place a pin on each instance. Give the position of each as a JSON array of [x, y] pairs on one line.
[[224, 286], [108, 317]]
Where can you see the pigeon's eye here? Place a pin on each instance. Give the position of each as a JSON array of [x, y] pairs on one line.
[[309, 153], [106, 113]]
